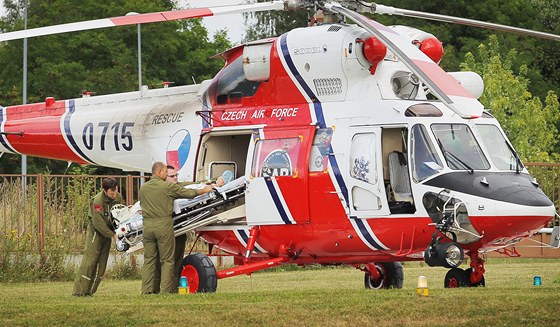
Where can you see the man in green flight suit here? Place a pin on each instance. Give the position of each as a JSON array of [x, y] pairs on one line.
[[98, 239], [156, 200], [181, 240]]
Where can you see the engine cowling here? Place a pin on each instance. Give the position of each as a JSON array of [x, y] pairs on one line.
[[426, 42]]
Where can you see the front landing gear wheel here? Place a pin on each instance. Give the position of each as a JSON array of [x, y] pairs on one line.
[[391, 276], [200, 273], [456, 277], [481, 283]]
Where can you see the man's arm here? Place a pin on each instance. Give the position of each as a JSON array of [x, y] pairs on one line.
[[177, 191], [99, 222]]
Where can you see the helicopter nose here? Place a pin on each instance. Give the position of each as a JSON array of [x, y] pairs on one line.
[[504, 187], [511, 188], [524, 195]]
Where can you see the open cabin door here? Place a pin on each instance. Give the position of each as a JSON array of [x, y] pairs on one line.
[[366, 186], [277, 176]]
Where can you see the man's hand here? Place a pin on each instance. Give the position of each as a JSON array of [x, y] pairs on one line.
[[206, 189]]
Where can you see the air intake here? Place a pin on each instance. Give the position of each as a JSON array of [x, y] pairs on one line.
[[405, 85]]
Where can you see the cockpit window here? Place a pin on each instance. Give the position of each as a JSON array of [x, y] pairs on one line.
[[425, 160], [459, 147], [501, 153], [233, 84]]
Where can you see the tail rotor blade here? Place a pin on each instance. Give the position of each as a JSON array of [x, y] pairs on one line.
[[141, 19]]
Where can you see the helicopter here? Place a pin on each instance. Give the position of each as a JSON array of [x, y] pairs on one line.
[[347, 145]]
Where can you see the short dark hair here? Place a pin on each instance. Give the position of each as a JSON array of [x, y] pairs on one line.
[[109, 183], [170, 167], [157, 167]]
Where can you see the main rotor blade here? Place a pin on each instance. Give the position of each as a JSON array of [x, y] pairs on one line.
[[141, 19], [441, 84], [380, 9]]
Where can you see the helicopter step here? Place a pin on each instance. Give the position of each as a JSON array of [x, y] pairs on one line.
[[222, 205]]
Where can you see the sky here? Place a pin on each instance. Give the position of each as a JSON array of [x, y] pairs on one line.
[[233, 23]]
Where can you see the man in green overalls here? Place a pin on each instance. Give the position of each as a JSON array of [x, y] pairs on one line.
[[156, 200], [181, 240], [98, 239]]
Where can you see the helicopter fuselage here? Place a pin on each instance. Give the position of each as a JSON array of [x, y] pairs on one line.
[[343, 163]]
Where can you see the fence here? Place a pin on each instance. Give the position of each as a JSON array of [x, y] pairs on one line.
[[35, 208]]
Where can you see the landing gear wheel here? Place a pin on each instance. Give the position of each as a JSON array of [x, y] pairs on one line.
[[481, 283], [391, 276], [456, 277], [200, 273]]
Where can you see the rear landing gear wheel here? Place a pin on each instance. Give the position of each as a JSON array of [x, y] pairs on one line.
[[200, 273], [391, 276]]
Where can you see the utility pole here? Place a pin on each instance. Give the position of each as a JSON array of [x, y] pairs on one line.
[[24, 96]]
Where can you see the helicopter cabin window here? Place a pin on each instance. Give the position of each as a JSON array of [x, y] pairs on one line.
[[500, 151], [319, 158], [221, 152], [276, 157], [423, 110], [425, 160], [459, 147], [232, 84], [362, 158]]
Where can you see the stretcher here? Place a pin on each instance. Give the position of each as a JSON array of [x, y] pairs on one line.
[[221, 206]]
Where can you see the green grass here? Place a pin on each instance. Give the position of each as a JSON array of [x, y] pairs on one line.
[[325, 297]]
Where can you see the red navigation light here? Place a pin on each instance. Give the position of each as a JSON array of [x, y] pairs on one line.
[[49, 101], [374, 51], [433, 48]]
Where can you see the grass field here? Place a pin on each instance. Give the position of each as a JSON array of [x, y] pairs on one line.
[[323, 297]]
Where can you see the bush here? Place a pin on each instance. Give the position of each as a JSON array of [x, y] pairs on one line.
[[125, 267], [17, 265]]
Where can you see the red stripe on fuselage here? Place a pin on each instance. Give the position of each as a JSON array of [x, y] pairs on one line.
[[277, 101], [42, 136]]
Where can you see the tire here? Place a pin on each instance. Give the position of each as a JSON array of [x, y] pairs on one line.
[[392, 276], [482, 282], [200, 273], [455, 278]]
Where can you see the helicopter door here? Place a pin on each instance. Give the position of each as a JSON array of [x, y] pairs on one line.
[[277, 170], [365, 182]]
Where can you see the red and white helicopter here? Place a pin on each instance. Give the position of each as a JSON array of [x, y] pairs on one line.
[[348, 145]]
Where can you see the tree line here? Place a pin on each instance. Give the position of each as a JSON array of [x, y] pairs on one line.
[[102, 61]]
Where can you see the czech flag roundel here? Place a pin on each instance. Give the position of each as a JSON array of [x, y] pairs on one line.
[[178, 149]]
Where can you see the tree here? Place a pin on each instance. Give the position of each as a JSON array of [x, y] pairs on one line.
[[264, 24], [102, 61], [531, 126]]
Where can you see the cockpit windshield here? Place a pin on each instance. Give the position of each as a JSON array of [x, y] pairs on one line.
[[459, 147], [425, 160], [501, 153], [231, 85]]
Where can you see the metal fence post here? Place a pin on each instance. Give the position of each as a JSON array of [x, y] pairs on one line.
[[129, 190], [40, 213]]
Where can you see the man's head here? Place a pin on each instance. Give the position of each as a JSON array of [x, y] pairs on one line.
[[110, 187], [159, 169], [172, 175]]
